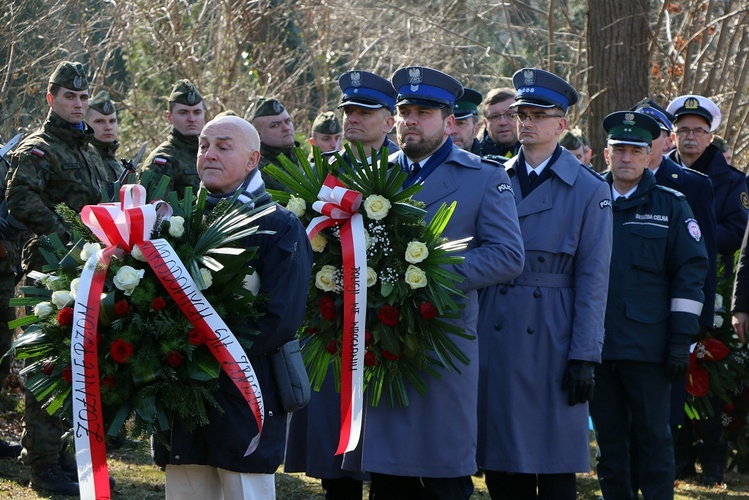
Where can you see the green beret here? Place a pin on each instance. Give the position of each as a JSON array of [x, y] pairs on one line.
[[184, 92], [102, 103], [327, 123], [70, 75], [266, 107]]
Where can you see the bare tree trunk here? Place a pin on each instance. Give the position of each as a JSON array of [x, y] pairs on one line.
[[618, 32]]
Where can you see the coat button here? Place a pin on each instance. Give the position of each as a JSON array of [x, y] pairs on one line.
[[503, 290], [176, 457], [270, 413], [498, 326], [530, 331], [536, 294], [541, 258]]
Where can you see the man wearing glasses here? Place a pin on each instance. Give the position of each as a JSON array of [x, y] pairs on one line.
[[541, 334], [500, 136], [697, 117]]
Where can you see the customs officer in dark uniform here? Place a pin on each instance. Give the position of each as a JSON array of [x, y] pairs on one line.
[[658, 268], [467, 121]]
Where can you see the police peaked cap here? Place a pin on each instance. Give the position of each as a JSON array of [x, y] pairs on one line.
[[102, 103], [186, 93], [661, 115], [696, 105], [426, 87], [541, 89], [629, 127], [367, 90], [468, 104], [70, 75]]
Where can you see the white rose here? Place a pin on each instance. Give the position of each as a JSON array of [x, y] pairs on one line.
[[127, 278], [61, 298], [318, 243], [89, 249], [207, 277], [297, 205], [367, 239], [415, 277], [325, 279], [718, 320], [416, 252], [43, 309], [376, 206], [718, 301], [53, 283], [137, 254], [371, 276], [74, 287], [177, 226]]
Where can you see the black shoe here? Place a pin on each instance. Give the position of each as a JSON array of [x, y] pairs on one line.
[[712, 474], [71, 472], [54, 480], [8, 450]]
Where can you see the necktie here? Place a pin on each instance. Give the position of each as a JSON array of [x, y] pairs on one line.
[[532, 177], [415, 168]]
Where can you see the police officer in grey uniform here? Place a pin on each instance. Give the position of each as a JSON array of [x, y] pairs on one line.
[[658, 268]]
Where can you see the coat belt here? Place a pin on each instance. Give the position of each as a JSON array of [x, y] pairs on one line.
[[548, 280]]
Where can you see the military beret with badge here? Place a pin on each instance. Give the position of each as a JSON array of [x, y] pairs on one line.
[[426, 87], [468, 104], [265, 106], [367, 90], [69, 75], [327, 123], [542, 89], [629, 127], [102, 103], [186, 93]]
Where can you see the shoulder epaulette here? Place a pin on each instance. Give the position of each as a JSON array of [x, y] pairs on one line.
[[674, 192], [590, 170]]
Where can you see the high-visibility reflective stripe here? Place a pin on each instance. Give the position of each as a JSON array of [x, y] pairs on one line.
[[687, 306]]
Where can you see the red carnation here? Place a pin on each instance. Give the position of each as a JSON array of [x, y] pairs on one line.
[[698, 381], [121, 307], [327, 308], [332, 347], [195, 336], [369, 359], [715, 349], [158, 304], [388, 315], [389, 355], [174, 358], [67, 374], [48, 368], [107, 382], [427, 310], [121, 351], [65, 316]]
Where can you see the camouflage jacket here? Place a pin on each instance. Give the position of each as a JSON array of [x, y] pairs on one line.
[[55, 164], [107, 152], [268, 155], [177, 158]]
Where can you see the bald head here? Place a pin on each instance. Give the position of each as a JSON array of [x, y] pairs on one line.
[[228, 152]]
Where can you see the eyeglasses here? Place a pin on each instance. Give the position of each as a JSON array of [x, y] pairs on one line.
[[697, 132], [499, 116], [533, 117]]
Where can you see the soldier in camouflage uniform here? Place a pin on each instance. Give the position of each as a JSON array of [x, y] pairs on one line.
[[102, 117], [273, 123], [55, 164], [176, 157]]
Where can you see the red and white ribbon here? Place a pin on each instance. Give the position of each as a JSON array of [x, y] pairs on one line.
[[338, 207], [120, 226]]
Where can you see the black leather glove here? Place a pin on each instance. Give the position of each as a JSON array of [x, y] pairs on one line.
[[677, 363], [579, 381]]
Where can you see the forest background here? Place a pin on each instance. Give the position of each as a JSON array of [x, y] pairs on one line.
[[615, 52]]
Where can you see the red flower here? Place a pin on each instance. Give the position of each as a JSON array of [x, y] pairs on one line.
[[369, 359], [728, 408], [158, 304], [121, 307], [174, 358], [65, 316], [121, 351], [195, 336], [698, 381], [327, 308], [388, 315], [310, 330], [427, 310], [715, 350], [389, 355], [48, 368], [67, 374], [368, 338], [107, 382], [332, 347]]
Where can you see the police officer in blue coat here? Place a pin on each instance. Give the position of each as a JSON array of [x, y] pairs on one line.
[[658, 268], [428, 449], [540, 335]]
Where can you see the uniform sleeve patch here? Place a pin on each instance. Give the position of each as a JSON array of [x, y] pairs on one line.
[[745, 200], [38, 152], [505, 187], [605, 203], [694, 229], [159, 161]]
